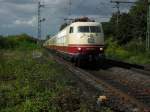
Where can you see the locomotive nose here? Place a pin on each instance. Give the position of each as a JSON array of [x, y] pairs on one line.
[[85, 35], [91, 35]]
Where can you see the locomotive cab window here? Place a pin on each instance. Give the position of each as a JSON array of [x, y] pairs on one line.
[[89, 29], [71, 30], [95, 29], [84, 29]]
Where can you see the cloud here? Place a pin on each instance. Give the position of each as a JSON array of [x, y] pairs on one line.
[[17, 16], [31, 22], [17, 1]]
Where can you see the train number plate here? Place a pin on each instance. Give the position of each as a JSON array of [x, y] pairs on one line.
[[91, 40]]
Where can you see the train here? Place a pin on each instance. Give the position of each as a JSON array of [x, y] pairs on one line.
[[81, 41]]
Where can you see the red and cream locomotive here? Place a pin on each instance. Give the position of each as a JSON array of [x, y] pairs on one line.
[[80, 41]]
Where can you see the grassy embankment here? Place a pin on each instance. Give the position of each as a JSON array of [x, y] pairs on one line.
[[133, 52], [36, 84], [28, 84]]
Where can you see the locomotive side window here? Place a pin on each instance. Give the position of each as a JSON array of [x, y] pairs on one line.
[[71, 30], [95, 29], [84, 29]]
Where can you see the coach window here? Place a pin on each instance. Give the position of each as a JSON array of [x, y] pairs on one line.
[[71, 30]]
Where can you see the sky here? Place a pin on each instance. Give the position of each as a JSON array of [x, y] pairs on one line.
[[20, 16]]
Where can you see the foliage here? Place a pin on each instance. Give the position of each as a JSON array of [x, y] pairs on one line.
[[115, 51], [126, 41], [132, 25], [132, 52], [108, 30], [139, 19], [17, 41]]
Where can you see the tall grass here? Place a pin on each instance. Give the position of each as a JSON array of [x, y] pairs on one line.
[[28, 84]]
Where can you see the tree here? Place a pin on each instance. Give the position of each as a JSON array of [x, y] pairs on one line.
[[124, 33], [139, 19], [132, 25]]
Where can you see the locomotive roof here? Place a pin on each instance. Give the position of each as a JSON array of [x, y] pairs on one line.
[[77, 21], [81, 24], [84, 23]]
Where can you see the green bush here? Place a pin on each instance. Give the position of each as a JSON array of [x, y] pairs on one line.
[[133, 52], [115, 51], [18, 41]]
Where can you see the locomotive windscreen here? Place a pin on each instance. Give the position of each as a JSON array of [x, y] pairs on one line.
[[89, 29]]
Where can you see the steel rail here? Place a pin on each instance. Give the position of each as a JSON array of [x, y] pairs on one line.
[[145, 70]]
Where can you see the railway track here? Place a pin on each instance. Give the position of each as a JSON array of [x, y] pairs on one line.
[[122, 91], [127, 83], [144, 69], [133, 79]]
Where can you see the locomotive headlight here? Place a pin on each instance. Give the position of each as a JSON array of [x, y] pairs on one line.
[[79, 48], [101, 49]]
